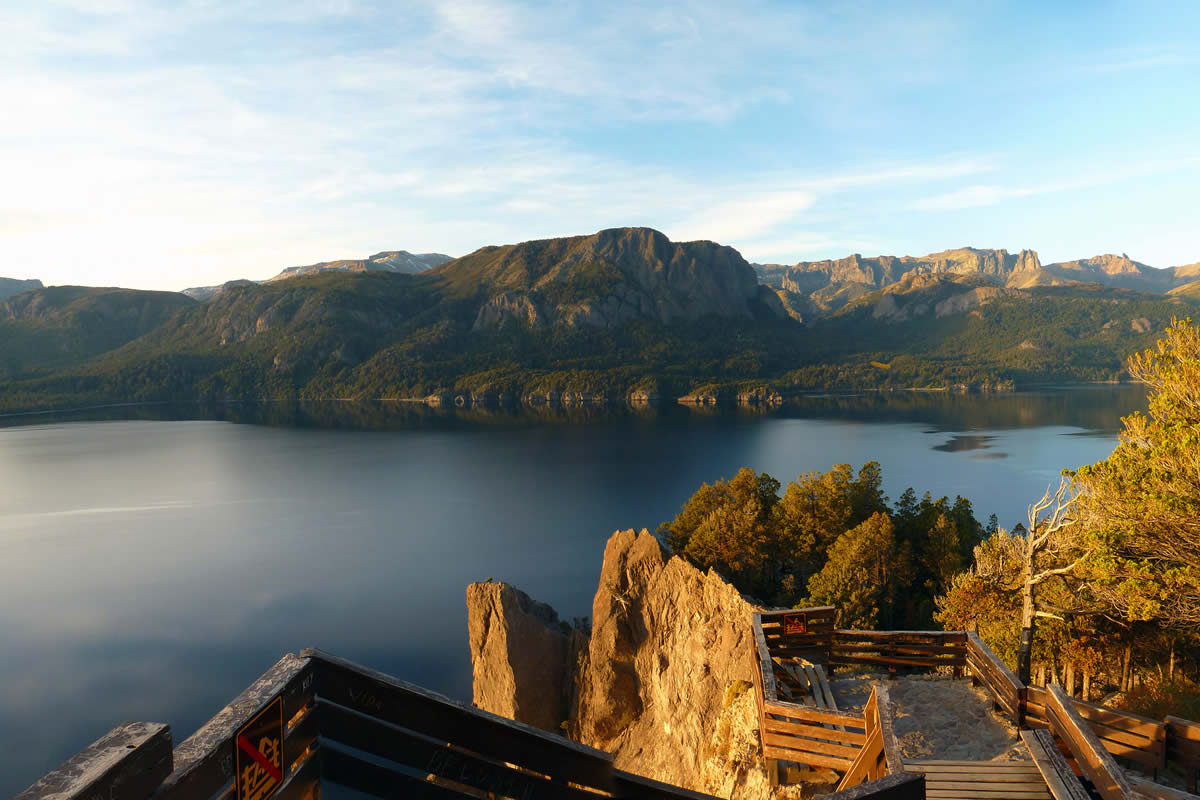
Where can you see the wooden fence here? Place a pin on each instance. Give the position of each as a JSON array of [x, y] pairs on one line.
[[351, 726], [880, 754], [810, 634]]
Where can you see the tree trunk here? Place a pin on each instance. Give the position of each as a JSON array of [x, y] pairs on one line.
[[1087, 686], [1025, 647], [1041, 681], [1071, 678], [1171, 663], [1126, 662]]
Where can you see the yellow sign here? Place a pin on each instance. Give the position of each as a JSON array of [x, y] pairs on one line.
[[258, 754]]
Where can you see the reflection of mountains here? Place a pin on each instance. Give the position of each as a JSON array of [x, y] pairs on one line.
[[960, 444], [1097, 408]]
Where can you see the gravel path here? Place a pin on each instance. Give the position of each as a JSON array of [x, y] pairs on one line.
[[938, 717]]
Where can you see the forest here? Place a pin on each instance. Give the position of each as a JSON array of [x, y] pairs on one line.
[[1099, 590]]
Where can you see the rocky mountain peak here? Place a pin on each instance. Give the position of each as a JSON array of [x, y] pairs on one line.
[[606, 279]]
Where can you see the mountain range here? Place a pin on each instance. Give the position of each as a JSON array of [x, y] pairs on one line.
[[822, 287], [619, 312], [387, 261]]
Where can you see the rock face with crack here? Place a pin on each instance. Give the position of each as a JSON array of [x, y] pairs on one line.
[[663, 681]]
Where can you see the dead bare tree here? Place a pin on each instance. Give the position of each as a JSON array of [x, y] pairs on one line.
[[1047, 543]]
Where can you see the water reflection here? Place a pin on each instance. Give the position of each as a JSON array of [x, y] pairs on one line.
[[964, 442]]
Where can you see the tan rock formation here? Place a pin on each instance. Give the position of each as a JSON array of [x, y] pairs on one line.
[[665, 681], [521, 655]]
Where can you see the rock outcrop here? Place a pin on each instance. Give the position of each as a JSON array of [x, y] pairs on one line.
[[13, 286], [664, 680], [523, 656]]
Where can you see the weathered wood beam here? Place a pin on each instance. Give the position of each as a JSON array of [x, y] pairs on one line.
[[127, 763], [1095, 761]]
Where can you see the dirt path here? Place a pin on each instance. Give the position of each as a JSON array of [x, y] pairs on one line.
[[938, 717]]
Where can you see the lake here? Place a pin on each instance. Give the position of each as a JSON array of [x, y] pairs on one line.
[[154, 563]]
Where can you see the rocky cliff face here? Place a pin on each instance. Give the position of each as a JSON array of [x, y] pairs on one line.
[[663, 682], [607, 279], [831, 284], [12, 286]]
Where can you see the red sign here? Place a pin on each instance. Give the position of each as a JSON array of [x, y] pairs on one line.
[[258, 754], [795, 623]]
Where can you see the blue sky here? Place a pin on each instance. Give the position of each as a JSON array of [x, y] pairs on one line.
[[183, 143]]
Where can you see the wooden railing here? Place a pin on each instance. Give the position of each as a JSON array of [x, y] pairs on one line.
[[880, 754], [928, 649], [1183, 747], [810, 634], [355, 727], [1090, 754], [1006, 690]]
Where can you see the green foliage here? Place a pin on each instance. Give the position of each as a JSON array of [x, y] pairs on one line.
[[1141, 504], [864, 573], [808, 542]]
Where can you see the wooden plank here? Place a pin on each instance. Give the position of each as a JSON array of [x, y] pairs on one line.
[[860, 770], [815, 611], [127, 763], [305, 781], [202, 762], [630, 785], [424, 754], [905, 661], [405, 704], [980, 774], [826, 689], [1023, 766], [1184, 728], [1121, 720], [856, 738], [950, 636], [770, 692], [1147, 788], [1093, 759], [810, 745], [1060, 779], [343, 768], [1037, 788], [812, 759], [983, 794], [889, 787], [805, 713], [891, 748]]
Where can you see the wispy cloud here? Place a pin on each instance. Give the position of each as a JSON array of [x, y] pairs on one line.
[[181, 143]]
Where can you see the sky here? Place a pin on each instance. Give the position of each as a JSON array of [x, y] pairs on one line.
[[164, 145]]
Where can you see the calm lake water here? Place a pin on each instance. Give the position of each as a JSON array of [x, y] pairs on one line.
[[154, 565]]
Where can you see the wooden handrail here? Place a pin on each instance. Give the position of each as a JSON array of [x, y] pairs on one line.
[[127, 763], [1095, 761]]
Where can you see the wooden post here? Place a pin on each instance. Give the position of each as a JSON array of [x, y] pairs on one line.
[[127, 763]]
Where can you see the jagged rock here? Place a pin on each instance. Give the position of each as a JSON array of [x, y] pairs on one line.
[[521, 656], [1141, 325], [664, 681], [507, 308]]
